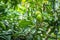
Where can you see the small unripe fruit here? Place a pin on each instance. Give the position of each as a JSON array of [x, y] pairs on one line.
[[39, 18]]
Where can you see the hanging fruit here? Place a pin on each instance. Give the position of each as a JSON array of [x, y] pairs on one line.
[[39, 16]]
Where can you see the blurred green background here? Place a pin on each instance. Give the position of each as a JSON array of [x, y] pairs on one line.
[[29, 19]]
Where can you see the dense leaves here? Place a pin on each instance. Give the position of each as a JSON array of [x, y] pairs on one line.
[[29, 19]]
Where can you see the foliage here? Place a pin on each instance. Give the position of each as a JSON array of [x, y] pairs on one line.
[[29, 19]]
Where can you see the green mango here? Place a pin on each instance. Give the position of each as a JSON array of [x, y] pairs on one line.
[[39, 16]]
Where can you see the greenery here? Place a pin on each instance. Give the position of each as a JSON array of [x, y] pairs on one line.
[[29, 19]]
